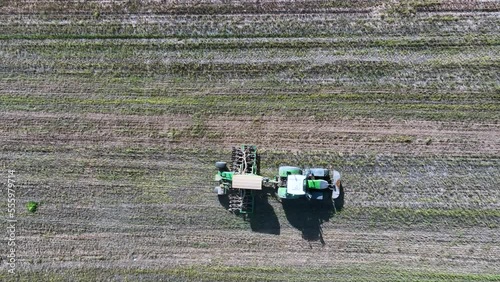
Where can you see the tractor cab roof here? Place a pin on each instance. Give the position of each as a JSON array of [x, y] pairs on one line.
[[295, 184], [318, 172]]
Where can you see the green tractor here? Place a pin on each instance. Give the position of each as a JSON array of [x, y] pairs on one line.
[[312, 183], [240, 181]]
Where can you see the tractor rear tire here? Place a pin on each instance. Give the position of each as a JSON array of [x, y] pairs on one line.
[[339, 202]]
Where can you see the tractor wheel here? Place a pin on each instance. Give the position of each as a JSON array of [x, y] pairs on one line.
[[339, 202], [221, 165]]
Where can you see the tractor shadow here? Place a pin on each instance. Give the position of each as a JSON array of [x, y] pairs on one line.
[[308, 216], [264, 219]]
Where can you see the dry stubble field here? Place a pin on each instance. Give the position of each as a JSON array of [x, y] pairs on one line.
[[113, 113]]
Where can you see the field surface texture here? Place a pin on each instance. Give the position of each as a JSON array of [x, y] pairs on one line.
[[112, 114]]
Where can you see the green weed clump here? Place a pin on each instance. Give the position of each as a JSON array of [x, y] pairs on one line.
[[32, 206]]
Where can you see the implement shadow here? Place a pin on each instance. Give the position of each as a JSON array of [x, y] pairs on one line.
[[308, 216], [264, 219]]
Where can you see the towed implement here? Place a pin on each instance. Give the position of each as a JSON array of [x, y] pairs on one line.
[[240, 181]]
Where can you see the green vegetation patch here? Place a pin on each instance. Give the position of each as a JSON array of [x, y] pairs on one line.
[[32, 206], [253, 273], [351, 273]]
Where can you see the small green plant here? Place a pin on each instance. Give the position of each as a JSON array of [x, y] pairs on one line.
[[32, 206], [96, 14]]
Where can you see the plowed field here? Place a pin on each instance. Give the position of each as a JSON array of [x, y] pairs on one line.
[[112, 114]]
